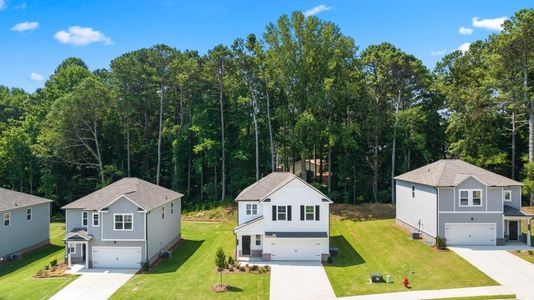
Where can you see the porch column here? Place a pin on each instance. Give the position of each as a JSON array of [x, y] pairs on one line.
[[528, 232], [86, 255], [68, 256]]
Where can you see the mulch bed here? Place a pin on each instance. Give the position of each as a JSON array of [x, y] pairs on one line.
[[220, 288], [52, 272]]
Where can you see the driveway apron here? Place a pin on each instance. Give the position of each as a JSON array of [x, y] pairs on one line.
[[502, 266], [95, 284], [300, 280]]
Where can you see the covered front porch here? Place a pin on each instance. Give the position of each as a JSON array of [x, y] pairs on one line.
[[77, 247], [515, 222]]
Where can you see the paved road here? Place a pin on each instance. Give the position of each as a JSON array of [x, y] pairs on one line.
[[95, 284], [504, 267], [300, 280]]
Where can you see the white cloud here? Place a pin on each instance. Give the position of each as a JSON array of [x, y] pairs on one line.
[[81, 36], [317, 9], [2, 4], [24, 26], [36, 77], [465, 30], [438, 53], [464, 47], [490, 24]]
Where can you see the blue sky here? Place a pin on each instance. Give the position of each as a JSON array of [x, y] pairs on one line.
[[35, 36]]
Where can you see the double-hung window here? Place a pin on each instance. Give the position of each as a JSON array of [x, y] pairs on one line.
[[507, 195], [258, 239], [413, 191], [310, 212], [123, 222], [28, 214], [163, 212], [7, 219], [252, 209], [470, 197], [84, 218], [172, 208], [282, 213], [96, 220]]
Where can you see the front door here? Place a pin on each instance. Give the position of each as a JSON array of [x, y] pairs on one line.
[[512, 230], [245, 246]]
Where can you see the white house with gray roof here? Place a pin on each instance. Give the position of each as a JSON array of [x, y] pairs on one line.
[[122, 225], [282, 217], [462, 203], [25, 222]]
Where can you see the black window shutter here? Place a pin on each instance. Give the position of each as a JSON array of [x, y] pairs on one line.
[[317, 213], [289, 212], [274, 212], [302, 212]]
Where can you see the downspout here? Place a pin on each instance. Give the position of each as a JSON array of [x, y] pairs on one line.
[[146, 236], [437, 211]]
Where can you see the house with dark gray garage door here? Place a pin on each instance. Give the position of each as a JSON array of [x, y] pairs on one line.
[[462, 203], [25, 222], [122, 225]]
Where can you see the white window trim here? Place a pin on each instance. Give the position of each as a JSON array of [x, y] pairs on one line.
[[8, 214], [121, 214], [93, 219], [470, 198], [163, 212], [258, 239], [251, 209], [278, 213], [413, 191], [86, 218], [172, 208], [30, 214], [504, 193], [306, 214]]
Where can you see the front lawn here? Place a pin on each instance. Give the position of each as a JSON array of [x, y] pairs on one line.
[[190, 273], [380, 246], [526, 255], [16, 278]]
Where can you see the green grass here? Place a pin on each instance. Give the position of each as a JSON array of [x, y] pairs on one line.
[[190, 273], [380, 246], [524, 255], [16, 278], [494, 297]]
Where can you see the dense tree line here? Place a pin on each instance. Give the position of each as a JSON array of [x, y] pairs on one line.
[[209, 125]]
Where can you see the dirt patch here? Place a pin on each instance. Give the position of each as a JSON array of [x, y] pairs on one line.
[[363, 212], [218, 214], [220, 288]]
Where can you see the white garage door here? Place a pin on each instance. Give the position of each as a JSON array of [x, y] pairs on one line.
[[470, 234], [117, 257], [296, 249]]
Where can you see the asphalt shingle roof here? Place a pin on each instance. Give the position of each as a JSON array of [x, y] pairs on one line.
[[265, 186], [451, 172], [10, 199], [145, 194]]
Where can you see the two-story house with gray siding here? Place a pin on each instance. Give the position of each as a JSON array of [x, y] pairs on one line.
[[25, 222], [122, 225], [462, 203]]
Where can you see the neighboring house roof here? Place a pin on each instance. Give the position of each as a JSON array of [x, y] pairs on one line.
[[451, 172], [145, 194], [296, 234], [269, 184], [514, 212], [10, 199]]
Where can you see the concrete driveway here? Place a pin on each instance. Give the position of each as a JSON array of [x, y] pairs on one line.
[[94, 284], [507, 269], [300, 280]]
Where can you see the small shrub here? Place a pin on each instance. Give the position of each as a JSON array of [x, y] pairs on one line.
[[254, 268], [441, 243], [231, 269], [242, 269], [530, 252], [231, 260], [146, 266], [46, 267], [518, 251], [267, 268], [330, 260], [262, 270], [53, 263]]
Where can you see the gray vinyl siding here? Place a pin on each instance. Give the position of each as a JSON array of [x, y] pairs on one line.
[[474, 217], [419, 211], [494, 202], [163, 231], [516, 197], [123, 205], [24, 233], [446, 199], [470, 183], [73, 219]]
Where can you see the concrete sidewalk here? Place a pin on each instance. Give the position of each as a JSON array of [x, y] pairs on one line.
[[435, 294]]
